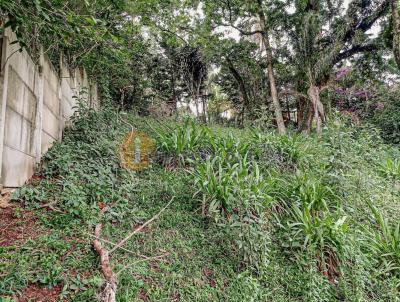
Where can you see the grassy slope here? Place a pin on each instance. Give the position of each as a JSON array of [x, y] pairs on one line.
[[203, 263]]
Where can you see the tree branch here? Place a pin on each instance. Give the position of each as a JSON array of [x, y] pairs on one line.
[[171, 33], [354, 50], [366, 22], [241, 31]]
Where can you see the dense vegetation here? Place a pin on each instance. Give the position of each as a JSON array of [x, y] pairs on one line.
[[254, 216], [277, 62], [276, 175]]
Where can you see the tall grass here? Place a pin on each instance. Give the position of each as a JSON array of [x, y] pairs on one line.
[[383, 242], [391, 169], [286, 216], [180, 142], [295, 194]]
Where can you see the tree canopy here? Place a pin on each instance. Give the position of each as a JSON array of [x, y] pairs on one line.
[[281, 61]]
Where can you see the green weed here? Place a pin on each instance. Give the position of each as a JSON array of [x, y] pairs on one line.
[[391, 169], [256, 216], [384, 242], [182, 141]]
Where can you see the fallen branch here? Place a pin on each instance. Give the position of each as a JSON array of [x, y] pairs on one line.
[[122, 248], [114, 244], [141, 260], [110, 287], [137, 230]]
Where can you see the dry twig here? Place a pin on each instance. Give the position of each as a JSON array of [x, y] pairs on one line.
[[137, 230]]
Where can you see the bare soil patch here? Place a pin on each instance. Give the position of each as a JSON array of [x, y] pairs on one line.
[[16, 224], [35, 293]]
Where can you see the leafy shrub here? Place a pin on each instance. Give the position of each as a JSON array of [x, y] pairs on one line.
[[285, 152], [312, 220], [323, 232], [227, 146], [235, 195], [81, 173], [231, 187], [391, 169], [182, 141], [386, 114], [384, 242], [376, 104]]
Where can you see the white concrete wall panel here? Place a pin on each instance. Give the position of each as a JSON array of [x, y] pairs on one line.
[[20, 97], [17, 167], [46, 142], [19, 133], [35, 107], [50, 123], [50, 94], [24, 67]]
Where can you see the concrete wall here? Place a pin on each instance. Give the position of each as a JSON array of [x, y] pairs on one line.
[[36, 103]]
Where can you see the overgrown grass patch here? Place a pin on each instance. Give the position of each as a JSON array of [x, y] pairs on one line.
[[254, 216]]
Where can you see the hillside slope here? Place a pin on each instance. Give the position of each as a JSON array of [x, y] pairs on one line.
[[253, 216]]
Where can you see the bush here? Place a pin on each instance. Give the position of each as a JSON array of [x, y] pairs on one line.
[[181, 142], [82, 172], [391, 169], [287, 214], [383, 243]]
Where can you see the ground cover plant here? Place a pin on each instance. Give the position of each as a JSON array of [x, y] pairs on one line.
[[253, 216], [244, 150]]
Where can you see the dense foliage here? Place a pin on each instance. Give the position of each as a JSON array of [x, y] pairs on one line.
[[305, 213], [269, 62], [256, 216]]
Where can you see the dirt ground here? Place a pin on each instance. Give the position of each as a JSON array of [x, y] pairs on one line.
[[16, 227]]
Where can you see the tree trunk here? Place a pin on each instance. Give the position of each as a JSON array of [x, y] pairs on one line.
[[204, 104], [301, 104], [288, 110], [396, 30], [242, 87], [313, 93], [197, 108], [306, 124], [196, 101], [174, 96], [274, 92]]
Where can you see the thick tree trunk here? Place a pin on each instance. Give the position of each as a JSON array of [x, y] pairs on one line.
[[274, 92], [307, 122], [313, 94], [396, 30]]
